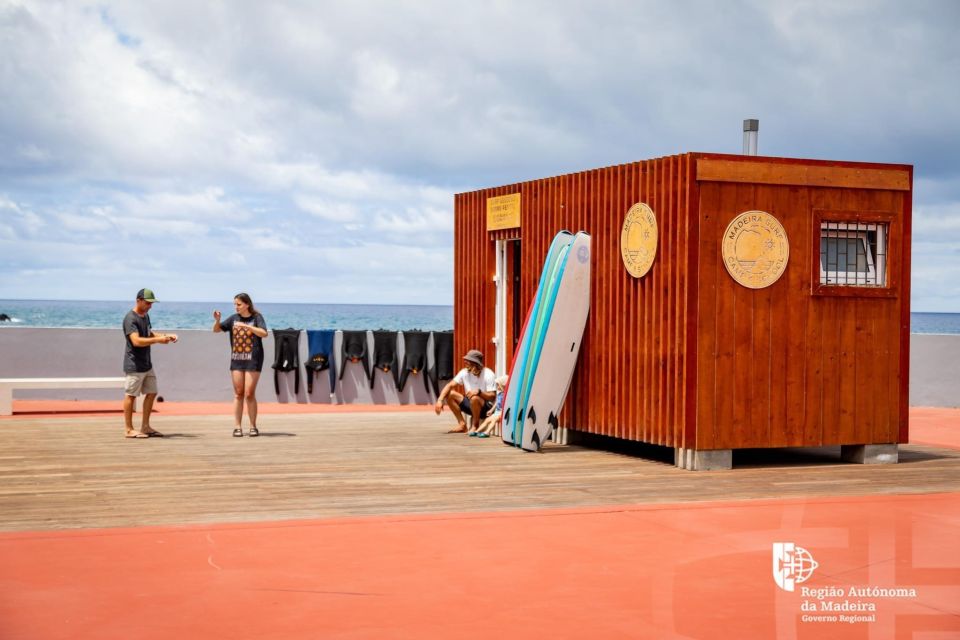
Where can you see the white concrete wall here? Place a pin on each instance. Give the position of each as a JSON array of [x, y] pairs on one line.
[[196, 368], [934, 371]]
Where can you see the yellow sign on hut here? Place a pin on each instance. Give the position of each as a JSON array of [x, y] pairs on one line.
[[503, 212]]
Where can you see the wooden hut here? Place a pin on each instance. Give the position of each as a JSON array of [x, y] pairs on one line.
[[775, 311]]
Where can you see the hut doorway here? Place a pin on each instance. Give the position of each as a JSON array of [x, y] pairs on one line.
[[508, 314]]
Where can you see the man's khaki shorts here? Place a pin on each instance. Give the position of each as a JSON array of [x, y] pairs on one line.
[[138, 383]]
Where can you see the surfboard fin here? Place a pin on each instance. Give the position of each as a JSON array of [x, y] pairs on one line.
[[554, 425], [532, 415], [536, 441]]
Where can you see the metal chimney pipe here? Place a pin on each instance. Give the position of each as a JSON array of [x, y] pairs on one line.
[[751, 131]]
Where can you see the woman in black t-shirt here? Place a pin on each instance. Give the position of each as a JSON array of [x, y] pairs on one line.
[[247, 330]]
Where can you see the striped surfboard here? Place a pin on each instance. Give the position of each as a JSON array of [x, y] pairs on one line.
[[514, 395], [559, 346]]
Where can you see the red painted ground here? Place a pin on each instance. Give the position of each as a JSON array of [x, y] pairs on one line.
[[935, 426], [693, 571], [654, 571]]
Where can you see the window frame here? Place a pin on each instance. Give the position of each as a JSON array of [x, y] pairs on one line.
[[853, 219], [848, 278]]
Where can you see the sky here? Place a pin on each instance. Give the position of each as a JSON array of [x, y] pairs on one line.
[[309, 151]]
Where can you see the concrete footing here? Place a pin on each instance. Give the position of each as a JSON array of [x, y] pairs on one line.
[[722, 459], [870, 453], [565, 435], [703, 459]]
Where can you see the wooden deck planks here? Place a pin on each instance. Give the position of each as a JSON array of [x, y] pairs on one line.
[[57, 473]]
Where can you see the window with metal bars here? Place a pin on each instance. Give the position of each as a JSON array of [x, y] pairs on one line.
[[853, 254]]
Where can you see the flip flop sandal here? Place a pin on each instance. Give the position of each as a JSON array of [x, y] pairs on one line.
[[137, 436], [238, 433], [483, 435], [254, 432]]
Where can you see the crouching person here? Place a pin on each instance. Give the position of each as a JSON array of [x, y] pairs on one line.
[[479, 392]]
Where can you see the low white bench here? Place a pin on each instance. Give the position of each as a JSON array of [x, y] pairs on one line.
[[7, 386]]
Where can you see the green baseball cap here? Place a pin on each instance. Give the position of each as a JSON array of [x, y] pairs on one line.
[[147, 295]]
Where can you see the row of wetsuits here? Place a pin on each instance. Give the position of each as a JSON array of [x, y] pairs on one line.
[[428, 354]]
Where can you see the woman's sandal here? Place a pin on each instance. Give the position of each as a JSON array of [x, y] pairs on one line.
[[254, 432], [238, 433]]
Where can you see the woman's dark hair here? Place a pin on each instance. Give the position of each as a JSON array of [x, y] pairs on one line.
[[245, 299]]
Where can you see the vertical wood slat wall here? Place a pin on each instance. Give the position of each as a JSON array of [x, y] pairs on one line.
[[630, 381], [685, 356], [780, 366]]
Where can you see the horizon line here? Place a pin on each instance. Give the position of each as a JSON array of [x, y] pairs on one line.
[[162, 301]]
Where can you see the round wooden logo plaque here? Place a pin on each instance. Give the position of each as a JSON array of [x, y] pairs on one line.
[[638, 239], [755, 249]]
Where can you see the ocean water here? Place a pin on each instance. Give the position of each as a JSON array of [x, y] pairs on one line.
[[199, 315], [944, 323]]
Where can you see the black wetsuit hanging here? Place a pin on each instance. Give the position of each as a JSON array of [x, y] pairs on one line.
[[354, 349], [320, 348], [287, 356], [385, 355], [414, 357], [442, 359]]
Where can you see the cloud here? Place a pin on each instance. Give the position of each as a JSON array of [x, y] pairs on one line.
[[95, 222], [17, 222], [296, 144], [326, 209], [937, 224]]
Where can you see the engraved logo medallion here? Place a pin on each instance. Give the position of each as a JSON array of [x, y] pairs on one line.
[[755, 249], [638, 239]]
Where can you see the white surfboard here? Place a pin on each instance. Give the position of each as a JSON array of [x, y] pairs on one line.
[[520, 368], [561, 346]]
